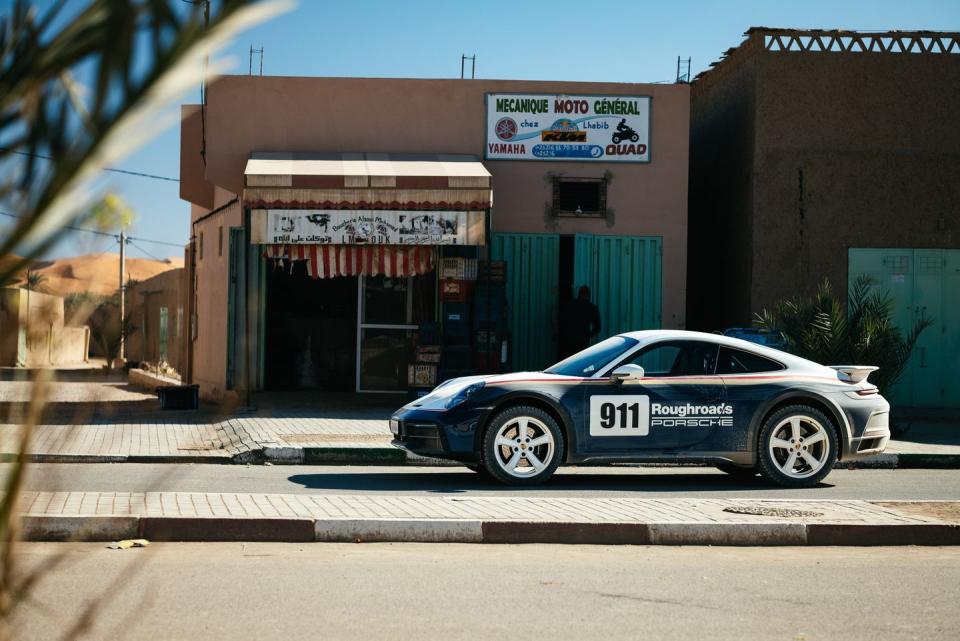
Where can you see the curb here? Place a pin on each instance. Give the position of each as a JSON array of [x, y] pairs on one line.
[[303, 530]]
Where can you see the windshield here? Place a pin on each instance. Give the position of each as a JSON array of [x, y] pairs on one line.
[[594, 358]]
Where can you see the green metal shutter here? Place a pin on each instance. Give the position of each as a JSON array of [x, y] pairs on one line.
[[533, 270], [925, 283], [624, 276]]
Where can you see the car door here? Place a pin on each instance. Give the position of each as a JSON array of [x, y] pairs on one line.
[[677, 404]]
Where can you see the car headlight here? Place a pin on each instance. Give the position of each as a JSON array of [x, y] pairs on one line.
[[461, 396]]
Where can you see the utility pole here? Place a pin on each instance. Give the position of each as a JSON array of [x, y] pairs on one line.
[[123, 290]]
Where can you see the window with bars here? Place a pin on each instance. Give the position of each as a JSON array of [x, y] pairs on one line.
[[580, 197]]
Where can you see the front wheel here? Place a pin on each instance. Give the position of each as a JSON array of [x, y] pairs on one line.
[[522, 445], [798, 446]]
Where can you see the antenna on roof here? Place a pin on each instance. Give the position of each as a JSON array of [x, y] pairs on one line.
[[683, 70], [260, 53], [473, 65]]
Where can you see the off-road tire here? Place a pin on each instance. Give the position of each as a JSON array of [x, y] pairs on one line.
[[770, 469], [490, 454]]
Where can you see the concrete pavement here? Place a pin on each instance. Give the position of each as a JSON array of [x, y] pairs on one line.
[[195, 516], [457, 592]]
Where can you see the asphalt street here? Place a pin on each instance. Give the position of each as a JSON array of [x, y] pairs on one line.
[[903, 484], [436, 591]]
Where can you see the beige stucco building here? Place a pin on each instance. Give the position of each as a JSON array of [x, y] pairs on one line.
[[438, 158]]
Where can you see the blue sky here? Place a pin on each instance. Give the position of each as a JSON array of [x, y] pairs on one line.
[[624, 41]]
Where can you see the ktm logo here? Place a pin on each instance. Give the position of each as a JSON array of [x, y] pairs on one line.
[[554, 135]]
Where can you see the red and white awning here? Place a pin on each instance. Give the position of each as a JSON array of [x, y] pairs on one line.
[[329, 261]]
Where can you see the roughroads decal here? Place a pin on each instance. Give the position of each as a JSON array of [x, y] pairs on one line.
[[622, 415]]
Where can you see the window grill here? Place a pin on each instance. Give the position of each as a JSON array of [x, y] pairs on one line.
[[585, 197]]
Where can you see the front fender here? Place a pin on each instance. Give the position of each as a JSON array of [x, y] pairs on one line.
[[537, 399]]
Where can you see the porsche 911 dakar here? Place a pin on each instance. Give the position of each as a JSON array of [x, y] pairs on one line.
[[653, 397]]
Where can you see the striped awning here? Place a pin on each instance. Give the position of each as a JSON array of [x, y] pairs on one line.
[[329, 261]]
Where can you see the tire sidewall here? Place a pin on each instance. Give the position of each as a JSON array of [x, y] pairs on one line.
[[768, 467], [489, 454]]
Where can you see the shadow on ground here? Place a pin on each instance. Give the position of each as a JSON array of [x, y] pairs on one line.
[[452, 482]]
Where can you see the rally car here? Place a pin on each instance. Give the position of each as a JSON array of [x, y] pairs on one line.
[[655, 396]]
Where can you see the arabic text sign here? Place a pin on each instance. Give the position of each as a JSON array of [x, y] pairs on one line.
[[559, 127], [366, 227]]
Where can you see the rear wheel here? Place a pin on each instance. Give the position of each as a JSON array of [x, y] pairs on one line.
[[522, 446], [798, 446]]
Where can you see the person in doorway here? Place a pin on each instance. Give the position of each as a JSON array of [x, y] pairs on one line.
[[583, 322]]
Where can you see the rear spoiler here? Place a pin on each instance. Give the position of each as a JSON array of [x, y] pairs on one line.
[[853, 373]]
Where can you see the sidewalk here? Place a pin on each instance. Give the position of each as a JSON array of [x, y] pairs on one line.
[[170, 516]]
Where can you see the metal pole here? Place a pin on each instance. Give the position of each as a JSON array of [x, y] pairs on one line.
[[123, 290], [463, 59]]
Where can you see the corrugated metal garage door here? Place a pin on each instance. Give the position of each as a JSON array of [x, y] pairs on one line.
[[623, 273], [533, 263], [925, 283]]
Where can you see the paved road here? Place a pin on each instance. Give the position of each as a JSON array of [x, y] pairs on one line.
[[570, 482], [434, 591]]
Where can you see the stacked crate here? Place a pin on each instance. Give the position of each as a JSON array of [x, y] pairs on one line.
[[422, 373], [458, 277], [490, 317]]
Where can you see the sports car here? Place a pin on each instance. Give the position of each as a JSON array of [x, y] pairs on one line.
[[653, 397]]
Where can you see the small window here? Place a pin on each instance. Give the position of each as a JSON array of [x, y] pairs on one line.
[[200, 247], [735, 361], [580, 197], [676, 358], [220, 240]]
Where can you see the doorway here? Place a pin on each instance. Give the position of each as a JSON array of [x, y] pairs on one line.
[[311, 330]]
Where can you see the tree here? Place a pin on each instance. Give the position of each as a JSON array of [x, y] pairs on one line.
[[822, 330]]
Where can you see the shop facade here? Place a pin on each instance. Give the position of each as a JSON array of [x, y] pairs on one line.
[[381, 234]]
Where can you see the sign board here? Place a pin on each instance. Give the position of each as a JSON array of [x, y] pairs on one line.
[[365, 227], [563, 127]]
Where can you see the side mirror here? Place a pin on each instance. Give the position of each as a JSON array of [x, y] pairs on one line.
[[626, 373]]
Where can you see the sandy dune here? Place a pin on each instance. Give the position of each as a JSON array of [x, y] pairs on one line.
[[95, 273]]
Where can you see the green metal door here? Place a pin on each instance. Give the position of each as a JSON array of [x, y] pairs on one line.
[[925, 283], [624, 276], [164, 324], [533, 270]]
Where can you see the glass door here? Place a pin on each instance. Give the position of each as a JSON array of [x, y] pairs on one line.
[[386, 334]]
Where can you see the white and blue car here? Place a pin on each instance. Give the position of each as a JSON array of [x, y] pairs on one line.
[[653, 397]]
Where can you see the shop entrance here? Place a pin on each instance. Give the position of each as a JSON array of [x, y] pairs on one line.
[[348, 333], [311, 330]]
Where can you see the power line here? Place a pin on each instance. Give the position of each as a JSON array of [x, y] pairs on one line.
[[105, 233], [113, 169]]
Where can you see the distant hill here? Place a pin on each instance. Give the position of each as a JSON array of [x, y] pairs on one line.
[[94, 273]]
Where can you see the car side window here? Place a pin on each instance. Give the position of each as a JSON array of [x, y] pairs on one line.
[[676, 358], [737, 361]]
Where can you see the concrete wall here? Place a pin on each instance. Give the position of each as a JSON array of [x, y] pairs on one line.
[[211, 297], [798, 156], [145, 299], [32, 332]]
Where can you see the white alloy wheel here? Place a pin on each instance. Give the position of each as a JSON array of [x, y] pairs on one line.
[[524, 447], [799, 446]]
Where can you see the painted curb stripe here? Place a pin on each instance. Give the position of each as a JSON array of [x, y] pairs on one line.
[[303, 530]]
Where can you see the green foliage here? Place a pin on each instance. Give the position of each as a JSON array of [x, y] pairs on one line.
[[820, 329], [34, 281]]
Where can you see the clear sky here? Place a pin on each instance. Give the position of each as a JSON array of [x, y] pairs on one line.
[[616, 40]]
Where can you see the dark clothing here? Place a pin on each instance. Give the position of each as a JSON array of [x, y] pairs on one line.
[[582, 324]]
